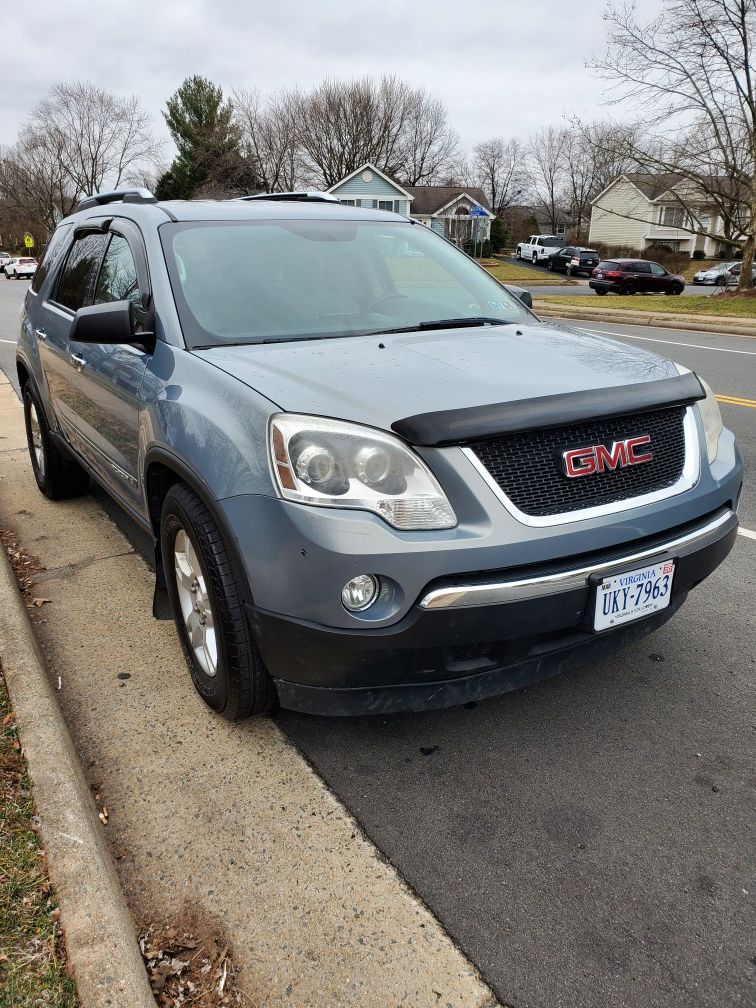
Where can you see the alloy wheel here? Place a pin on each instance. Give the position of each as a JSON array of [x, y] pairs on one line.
[[196, 608]]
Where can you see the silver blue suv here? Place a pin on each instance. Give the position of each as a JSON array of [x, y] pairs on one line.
[[375, 481]]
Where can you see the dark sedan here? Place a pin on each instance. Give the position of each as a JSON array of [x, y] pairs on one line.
[[573, 259], [635, 276]]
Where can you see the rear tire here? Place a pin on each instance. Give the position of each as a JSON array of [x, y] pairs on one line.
[[601, 293], [57, 476], [225, 665]]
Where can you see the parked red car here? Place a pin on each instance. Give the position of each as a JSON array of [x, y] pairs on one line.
[[634, 276]]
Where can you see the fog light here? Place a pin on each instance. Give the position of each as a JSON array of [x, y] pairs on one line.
[[360, 592]]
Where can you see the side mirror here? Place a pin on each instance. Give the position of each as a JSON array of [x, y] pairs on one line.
[[526, 297], [111, 323]]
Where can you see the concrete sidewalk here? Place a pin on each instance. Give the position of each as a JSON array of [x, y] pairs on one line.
[[228, 820]]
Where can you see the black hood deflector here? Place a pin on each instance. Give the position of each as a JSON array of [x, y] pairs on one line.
[[452, 427]]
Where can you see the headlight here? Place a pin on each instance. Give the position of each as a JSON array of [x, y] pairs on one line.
[[333, 463], [712, 420]]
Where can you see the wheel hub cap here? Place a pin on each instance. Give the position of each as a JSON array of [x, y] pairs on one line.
[[194, 600]]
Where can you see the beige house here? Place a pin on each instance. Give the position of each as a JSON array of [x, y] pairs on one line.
[[642, 210]]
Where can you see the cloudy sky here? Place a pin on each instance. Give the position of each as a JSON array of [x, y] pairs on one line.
[[503, 67]]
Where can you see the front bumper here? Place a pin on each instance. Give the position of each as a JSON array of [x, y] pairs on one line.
[[472, 638]]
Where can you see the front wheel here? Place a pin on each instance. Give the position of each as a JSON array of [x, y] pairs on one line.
[[57, 477], [600, 292], [550, 266], [225, 665], [628, 290], [518, 253], [535, 258]]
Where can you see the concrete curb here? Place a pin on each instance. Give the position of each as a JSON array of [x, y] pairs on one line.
[[690, 323], [100, 935]]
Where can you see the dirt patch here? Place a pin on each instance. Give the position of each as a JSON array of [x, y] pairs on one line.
[[189, 963], [25, 565]]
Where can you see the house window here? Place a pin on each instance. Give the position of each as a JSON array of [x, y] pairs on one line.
[[347, 202], [561, 229], [672, 216], [386, 204]]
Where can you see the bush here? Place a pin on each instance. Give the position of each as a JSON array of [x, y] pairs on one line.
[[486, 253], [699, 254], [499, 234]]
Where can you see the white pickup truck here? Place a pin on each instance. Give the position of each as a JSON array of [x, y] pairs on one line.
[[538, 248]]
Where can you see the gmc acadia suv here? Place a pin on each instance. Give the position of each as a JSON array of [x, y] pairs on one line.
[[373, 478]]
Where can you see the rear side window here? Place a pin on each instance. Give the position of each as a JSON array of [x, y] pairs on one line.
[[640, 267], [608, 265], [118, 276], [77, 281], [52, 256]]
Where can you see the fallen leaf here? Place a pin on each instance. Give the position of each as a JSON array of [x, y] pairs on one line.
[[39, 601], [9, 718]]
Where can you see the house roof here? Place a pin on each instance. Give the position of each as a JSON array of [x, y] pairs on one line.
[[369, 165], [654, 187], [428, 200]]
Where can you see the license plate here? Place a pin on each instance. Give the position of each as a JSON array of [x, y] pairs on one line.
[[633, 595]]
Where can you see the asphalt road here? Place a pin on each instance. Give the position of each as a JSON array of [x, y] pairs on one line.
[[588, 842], [580, 288]]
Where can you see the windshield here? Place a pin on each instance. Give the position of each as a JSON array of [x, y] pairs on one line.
[[272, 281], [553, 242]]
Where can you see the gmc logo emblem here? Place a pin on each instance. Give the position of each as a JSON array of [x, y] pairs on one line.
[[599, 458]]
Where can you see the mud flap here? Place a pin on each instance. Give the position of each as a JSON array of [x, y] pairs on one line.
[[161, 604]]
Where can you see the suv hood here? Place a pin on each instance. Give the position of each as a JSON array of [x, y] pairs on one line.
[[376, 380]]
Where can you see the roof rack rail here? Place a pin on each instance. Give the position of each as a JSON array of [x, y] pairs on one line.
[[137, 194], [293, 197]]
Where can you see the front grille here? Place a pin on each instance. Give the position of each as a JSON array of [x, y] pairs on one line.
[[529, 469]]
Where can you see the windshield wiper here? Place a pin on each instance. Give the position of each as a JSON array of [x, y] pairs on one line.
[[448, 323]]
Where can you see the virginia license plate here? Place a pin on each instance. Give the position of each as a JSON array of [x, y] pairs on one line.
[[632, 595]]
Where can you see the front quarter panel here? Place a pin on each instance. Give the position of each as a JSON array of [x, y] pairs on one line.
[[215, 426]]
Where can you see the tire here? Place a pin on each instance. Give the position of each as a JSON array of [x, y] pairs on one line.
[[518, 254], [57, 476], [550, 266], [535, 258], [628, 289], [601, 293], [676, 291], [225, 665]]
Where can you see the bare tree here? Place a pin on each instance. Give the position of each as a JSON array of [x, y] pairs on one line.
[[269, 138], [498, 167], [428, 144], [546, 157], [33, 182], [692, 75], [399, 129], [97, 138]]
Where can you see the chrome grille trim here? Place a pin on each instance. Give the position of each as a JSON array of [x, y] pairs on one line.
[[466, 596]]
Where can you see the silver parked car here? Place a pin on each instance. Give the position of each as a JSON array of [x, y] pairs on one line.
[[722, 275], [374, 481]]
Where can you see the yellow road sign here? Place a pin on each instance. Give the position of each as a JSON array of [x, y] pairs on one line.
[[29, 241]]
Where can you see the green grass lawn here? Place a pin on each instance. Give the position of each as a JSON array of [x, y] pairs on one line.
[[509, 273], [32, 964], [727, 306]]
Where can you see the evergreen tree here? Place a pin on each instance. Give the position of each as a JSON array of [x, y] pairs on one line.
[[209, 160]]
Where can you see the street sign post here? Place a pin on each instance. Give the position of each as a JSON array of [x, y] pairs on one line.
[[29, 240], [477, 212]]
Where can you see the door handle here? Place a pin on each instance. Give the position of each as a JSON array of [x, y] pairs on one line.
[[78, 362], [40, 334]]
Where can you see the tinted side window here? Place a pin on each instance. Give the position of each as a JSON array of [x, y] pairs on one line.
[[658, 270], [118, 276], [640, 267], [54, 251], [77, 281]]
